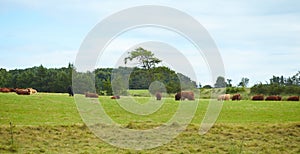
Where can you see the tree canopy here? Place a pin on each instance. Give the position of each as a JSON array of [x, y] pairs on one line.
[[145, 58], [244, 82], [174, 82], [220, 83], [38, 77], [279, 85]]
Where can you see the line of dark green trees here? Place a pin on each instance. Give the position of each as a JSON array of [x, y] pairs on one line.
[[38, 77], [105, 80], [59, 79], [116, 81]]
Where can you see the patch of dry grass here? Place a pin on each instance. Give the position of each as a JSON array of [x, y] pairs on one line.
[[222, 138]]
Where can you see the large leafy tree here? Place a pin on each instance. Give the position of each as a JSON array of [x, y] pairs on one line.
[[145, 58]]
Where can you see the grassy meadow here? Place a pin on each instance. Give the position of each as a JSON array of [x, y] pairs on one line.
[[50, 123]]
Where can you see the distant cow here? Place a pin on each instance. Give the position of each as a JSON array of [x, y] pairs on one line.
[[70, 91], [32, 91], [4, 90], [158, 96], [258, 98], [178, 96], [91, 95], [273, 98], [12, 90], [293, 98], [185, 95], [23, 91], [115, 97], [236, 97], [223, 97]]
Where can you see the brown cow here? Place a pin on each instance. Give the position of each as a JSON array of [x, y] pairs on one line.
[[115, 97], [32, 91], [185, 95], [178, 96], [293, 98], [273, 98], [223, 97], [12, 90], [158, 96], [4, 90], [91, 95], [23, 91], [258, 98], [236, 97]]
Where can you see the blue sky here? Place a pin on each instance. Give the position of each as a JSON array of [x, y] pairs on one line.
[[256, 39]]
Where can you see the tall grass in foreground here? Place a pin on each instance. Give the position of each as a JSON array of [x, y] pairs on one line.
[[222, 138]]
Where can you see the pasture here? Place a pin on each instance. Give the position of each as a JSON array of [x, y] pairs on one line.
[[50, 123]]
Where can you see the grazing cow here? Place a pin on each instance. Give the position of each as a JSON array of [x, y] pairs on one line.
[[23, 91], [236, 97], [178, 96], [185, 95], [273, 98], [91, 95], [70, 91], [279, 98], [12, 89], [223, 97], [293, 98], [32, 91], [115, 97], [4, 90], [258, 98], [158, 96]]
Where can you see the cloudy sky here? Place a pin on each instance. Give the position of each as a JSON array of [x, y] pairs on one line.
[[256, 39]]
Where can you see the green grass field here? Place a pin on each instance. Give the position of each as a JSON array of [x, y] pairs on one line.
[[50, 123]]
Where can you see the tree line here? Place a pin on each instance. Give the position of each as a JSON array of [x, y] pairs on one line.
[[116, 81], [109, 80], [279, 85], [105, 80], [38, 77]]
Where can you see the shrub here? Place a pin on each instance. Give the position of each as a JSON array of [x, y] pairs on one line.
[[235, 89]]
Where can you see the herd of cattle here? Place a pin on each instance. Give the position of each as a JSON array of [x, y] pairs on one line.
[[274, 98], [19, 91], [189, 95], [179, 96], [225, 97], [257, 97]]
